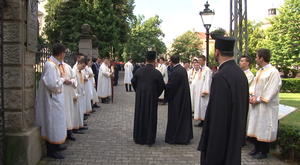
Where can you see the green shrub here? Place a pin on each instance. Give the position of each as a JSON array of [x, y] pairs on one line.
[[289, 141], [290, 85]]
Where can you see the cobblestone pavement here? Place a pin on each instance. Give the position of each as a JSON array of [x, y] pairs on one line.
[[109, 140]]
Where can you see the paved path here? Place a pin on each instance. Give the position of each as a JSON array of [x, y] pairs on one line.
[[109, 141]]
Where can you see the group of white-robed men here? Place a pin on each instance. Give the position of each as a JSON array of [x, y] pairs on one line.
[[66, 97], [264, 88], [262, 113]]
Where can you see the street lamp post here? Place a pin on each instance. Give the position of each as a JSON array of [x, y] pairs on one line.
[[206, 16]]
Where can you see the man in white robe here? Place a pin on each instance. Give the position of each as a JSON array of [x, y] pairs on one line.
[[164, 71], [245, 66], [104, 90], [50, 113], [128, 67], [264, 105], [79, 98], [88, 86], [201, 90], [69, 93]]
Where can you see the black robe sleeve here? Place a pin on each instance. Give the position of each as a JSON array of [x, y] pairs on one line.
[[161, 85], [134, 81]]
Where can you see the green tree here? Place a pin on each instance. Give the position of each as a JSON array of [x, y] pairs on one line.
[[283, 37], [109, 21], [187, 45], [256, 36], [218, 32], [144, 35]]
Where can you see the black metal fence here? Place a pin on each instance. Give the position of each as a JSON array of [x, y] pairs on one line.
[[2, 117], [44, 52]]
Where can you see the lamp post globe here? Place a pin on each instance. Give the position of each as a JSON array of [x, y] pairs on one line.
[[207, 17]]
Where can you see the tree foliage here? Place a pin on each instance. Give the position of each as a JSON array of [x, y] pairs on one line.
[[283, 37], [218, 32], [144, 34], [109, 21], [187, 45], [256, 36]]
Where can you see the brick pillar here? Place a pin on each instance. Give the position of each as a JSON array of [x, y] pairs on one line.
[[22, 141], [85, 43]]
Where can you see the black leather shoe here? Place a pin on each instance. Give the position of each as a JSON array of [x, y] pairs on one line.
[[199, 124], [55, 155], [61, 147], [96, 106], [260, 156], [71, 137], [253, 152], [83, 128], [78, 132]]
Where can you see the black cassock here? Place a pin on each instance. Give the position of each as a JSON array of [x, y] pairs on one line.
[[224, 126], [148, 84], [179, 127]]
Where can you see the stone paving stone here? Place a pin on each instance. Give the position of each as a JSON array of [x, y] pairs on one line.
[[108, 140]]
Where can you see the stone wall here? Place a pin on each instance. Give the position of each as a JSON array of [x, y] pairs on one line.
[[22, 141]]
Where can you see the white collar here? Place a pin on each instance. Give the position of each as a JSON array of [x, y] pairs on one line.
[[248, 70], [55, 60], [265, 67]]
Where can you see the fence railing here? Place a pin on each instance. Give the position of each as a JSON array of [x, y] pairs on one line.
[[44, 52]]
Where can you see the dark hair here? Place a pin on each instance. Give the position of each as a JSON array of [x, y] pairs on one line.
[[265, 54], [161, 58], [247, 58], [58, 48], [202, 57], [84, 60], [94, 59], [175, 59], [227, 54]]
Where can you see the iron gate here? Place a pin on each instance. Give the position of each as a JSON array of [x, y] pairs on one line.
[[44, 52], [2, 119]]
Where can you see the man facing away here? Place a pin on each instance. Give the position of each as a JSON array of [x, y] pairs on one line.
[[148, 84], [245, 66], [50, 112], [179, 126], [128, 67], [201, 89], [225, 121], [264, 100]]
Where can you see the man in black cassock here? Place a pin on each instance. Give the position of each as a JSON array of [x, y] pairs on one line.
[[148, 84], [179, 126], [224, 126]]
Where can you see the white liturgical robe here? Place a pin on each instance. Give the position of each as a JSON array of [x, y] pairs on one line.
[[69, 94], [128, 67], [164, 71], [249, 75], [88, 88], [263, 117], [200, 89], [49, 106], [80, 102], [104, 82]]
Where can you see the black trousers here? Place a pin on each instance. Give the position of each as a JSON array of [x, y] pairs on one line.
[[51, 148], [128, 89], [262, 147]]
